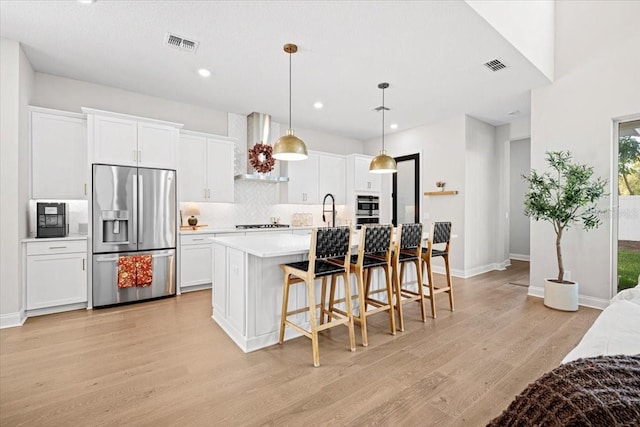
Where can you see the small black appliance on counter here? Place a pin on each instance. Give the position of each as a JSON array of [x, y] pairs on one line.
[[52, 219]]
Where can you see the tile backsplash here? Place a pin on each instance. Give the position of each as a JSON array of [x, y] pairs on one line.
[[256, 203]]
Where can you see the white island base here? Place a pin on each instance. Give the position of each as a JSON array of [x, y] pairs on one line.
[[247, 287]]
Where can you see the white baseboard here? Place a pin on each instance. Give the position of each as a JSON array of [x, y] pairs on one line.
[[11, 320], [519, 257], [482, 269], [583, 300]]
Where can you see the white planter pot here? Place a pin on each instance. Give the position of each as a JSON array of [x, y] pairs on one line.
[[561, 296]]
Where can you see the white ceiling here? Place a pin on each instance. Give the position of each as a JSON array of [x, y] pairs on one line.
[[430, 52]]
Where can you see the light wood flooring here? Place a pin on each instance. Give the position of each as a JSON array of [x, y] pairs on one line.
[[167, 363]]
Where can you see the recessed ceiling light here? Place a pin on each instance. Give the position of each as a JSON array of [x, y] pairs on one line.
[[393, 126], [86, 1], [204, 72], [318, 105], [514, 113]]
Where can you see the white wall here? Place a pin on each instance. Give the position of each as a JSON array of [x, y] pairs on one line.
[[520, 159], [527, 25], [576, 113], [480, 197], [71, 95], [441, 146], [16, 82], [502, 142]]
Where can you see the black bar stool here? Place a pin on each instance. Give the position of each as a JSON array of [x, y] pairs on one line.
[[408, 249], [439, 233], [328, 247], [374, 251]]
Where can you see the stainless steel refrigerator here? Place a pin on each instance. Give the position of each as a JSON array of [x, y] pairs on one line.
[[134, 218]]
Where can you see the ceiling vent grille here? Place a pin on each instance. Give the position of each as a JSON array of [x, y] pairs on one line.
[[495, 65], [180, 43]]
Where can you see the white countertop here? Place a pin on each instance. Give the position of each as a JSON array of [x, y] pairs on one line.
[[55, 239], [214, 230], [273, 246], [278, 244]]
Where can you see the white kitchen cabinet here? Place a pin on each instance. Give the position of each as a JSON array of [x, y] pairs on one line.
[[119, 139], [363, 180], [311, 179], [58, 137], [303, 180], [56, 273], [206, 168], [196, 257], [331, 177]]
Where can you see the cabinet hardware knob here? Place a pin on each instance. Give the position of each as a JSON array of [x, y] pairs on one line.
[[82, 264], [85, 188]]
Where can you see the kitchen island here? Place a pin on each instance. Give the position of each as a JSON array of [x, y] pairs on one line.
[[247, 286], [248, 282]]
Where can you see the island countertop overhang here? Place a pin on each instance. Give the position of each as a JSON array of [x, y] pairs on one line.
[[267, 246]]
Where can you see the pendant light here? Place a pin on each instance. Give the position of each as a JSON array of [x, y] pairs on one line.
[[290, 147], [383, 163]]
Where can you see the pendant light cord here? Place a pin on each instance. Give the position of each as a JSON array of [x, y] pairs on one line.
[[290, 91], [383, 119]]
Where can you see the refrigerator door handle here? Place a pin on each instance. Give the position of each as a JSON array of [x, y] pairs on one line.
[[106, 259], [162, 255], [140, 208], [137, 229]]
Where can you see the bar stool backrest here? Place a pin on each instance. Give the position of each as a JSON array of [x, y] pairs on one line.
[[377, 238], [332, 242], [440, 232], [410, 236]]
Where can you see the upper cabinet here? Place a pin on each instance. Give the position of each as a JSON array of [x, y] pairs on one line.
[[119, 139], [303, 180], [311, 179], [359, 175], [58, 138], [331, 179], [206, 168]]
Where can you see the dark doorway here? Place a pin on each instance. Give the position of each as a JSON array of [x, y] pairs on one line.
[[406, 190]]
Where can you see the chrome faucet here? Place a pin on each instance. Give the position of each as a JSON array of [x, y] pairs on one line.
[[333, 209]]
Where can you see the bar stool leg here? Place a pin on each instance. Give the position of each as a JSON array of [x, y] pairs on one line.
[[446, 264], [323, 309], [392, 314], [311, 299], [362, 307], [432, 297], [347, 297], [396, 283], [285, 307], [423, 310]]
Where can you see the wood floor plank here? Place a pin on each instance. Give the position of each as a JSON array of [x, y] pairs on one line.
[[166, 362]]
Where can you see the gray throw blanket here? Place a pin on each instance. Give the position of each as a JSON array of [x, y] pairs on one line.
[[596, 391]]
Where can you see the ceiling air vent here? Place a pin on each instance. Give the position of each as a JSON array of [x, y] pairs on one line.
[[495, 65], [180, 43]]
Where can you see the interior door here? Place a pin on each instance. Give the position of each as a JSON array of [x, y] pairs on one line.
[[406, 190]]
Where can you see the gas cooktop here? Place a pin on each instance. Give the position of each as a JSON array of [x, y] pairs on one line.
[[263, 226]]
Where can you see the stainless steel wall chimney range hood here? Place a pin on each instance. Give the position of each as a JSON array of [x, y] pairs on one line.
[[259, 130]]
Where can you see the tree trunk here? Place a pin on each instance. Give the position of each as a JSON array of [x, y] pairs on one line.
[[559, 254], [626, 184]]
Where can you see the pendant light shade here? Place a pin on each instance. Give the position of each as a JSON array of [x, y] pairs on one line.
[[289, 147], [383, 163]]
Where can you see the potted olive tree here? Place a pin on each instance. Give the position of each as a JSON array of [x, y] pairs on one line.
[[566, 195]]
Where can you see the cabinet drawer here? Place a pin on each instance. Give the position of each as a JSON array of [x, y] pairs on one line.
[[196, 239], [56, 247]]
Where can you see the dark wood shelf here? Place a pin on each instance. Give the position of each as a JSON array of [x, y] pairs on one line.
[[441, 193]]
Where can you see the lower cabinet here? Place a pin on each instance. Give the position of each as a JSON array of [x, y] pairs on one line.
[[56, 273], [195, 261]]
